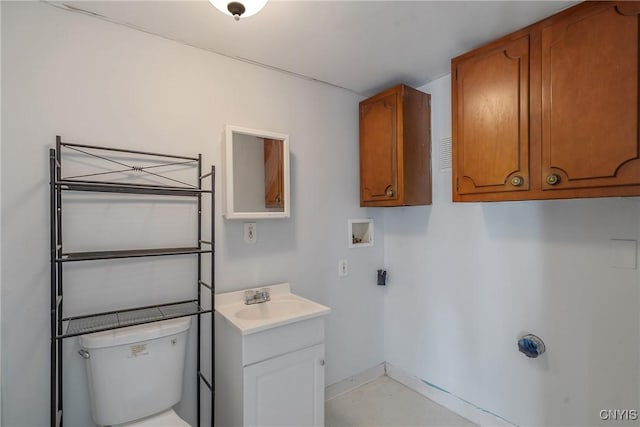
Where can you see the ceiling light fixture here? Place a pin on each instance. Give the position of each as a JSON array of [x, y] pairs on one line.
[[244, 8]]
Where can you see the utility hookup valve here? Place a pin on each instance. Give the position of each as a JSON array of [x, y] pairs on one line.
[[531, 346]]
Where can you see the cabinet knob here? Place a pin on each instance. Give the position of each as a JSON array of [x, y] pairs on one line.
[[278, 199], [389, 192], [517, 181], [553, 179]]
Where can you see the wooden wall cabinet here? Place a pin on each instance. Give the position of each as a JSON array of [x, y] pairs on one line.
[[550, 111], [395, 148]]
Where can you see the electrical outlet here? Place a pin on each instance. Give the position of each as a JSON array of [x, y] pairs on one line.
[[250, 232], [343, 268]]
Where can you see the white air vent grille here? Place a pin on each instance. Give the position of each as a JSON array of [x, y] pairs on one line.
[[445, 154]]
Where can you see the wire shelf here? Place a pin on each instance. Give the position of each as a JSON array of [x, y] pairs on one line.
[[134, 253], [137, 316], [106, 187]]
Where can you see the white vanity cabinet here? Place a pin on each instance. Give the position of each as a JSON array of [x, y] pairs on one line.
[[272, 376]]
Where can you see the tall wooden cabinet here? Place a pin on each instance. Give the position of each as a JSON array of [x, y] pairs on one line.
[[550, 111], [395, 148]]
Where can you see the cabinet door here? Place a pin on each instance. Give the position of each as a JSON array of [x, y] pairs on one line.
[[287, 390], [273, 173], [379, 148], [490, 105], [590, 98]]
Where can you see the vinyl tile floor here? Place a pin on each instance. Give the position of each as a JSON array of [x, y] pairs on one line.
[[387, 403]]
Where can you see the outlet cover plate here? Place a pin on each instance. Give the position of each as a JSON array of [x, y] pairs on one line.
[[343, 268], [250, 235]]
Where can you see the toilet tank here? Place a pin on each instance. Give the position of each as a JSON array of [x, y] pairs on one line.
[[137, 371]]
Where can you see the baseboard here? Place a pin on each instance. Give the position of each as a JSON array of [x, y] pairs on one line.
[[442, 397], [354, 381]]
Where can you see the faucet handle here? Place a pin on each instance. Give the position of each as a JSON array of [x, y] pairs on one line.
[[249, 294], [265, 293]]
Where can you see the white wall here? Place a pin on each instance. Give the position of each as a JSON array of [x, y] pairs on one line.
[[467, 279], [99, 83]]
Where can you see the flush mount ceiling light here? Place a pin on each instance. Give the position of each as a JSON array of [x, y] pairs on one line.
[[244, 8]]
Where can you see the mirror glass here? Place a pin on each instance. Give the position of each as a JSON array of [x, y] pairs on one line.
[[257, 174]]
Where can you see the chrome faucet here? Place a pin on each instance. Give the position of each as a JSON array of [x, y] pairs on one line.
[[256, 297]]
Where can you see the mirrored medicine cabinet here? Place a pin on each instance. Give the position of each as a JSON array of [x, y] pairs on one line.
[[256, 174]]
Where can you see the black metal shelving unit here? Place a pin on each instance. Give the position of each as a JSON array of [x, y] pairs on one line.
[[114, 166]]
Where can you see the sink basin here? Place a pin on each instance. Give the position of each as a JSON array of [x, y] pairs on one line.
[[283, 308], [271, 309]]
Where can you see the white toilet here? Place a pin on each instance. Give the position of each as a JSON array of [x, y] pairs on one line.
[[135, 373]]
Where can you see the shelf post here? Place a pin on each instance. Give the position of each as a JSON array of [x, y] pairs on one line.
[[58, 248], [53, 254], [198, 285], [212, 290]]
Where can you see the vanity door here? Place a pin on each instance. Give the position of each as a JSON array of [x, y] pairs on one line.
[[286, 390]]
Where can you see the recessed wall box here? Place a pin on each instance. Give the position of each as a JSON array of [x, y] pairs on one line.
[[360, 233]]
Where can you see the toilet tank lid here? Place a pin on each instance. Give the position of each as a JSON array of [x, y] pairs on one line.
[[132, 334]]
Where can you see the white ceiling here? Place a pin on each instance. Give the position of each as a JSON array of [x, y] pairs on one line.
[[362, 46]]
